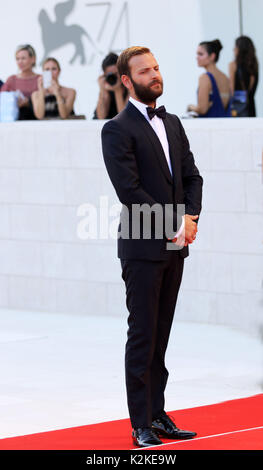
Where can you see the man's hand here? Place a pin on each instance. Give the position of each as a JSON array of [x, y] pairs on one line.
[[188, 235]]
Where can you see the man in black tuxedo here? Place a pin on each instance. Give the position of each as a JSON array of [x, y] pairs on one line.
[[150, 164]]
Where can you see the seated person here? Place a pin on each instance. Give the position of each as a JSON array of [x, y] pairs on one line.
[[214, 86], [113, 96], [56, 101], [25, 81]]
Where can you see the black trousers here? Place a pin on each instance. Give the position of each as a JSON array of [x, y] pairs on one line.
[[151, 294]]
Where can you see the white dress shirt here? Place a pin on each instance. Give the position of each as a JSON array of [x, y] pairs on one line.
[[158, 127]]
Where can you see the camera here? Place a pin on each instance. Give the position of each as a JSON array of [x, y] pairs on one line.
[[111, 78]]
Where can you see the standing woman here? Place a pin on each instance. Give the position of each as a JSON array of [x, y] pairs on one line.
[[25, 81], [214, 86], [56, 101], [243, 72]]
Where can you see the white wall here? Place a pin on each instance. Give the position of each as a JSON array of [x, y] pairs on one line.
[[48, 169], [171, 28]]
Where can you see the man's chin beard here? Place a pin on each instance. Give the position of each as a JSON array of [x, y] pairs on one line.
[[146, 95]]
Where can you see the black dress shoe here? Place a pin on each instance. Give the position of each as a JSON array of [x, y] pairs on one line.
[[164, 426], [145, 437]]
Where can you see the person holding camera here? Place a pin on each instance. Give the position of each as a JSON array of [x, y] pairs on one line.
[[113, 96]]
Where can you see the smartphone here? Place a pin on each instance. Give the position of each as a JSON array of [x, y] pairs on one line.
[[47, 78]]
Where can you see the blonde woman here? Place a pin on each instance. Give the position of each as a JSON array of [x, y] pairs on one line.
[[25, 81]]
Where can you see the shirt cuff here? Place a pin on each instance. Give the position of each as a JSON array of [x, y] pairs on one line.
[[181, 229]]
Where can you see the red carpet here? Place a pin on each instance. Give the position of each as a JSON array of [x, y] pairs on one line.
[[216, 427]]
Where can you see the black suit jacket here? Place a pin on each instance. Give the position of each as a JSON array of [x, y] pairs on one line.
[[139, 172]]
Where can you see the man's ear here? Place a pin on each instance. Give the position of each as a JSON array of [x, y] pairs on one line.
[[126, 81]]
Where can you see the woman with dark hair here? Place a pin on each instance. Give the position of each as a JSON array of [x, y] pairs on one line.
[[243, 72], [25, 80], [54, 101], [214, 86], [113, 96]]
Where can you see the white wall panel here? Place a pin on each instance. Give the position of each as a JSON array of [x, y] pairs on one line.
[[45, 266]]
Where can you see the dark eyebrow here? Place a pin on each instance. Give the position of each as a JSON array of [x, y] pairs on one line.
[[144, 68]]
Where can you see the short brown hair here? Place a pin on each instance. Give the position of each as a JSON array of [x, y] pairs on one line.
[[126, 55]]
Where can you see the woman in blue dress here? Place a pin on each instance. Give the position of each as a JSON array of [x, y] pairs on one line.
[[214, 93]]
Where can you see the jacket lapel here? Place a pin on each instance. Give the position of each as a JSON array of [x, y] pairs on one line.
[[171, 137], [154, 140]]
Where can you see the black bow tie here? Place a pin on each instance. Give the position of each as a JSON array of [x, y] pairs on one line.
[[160, 112]]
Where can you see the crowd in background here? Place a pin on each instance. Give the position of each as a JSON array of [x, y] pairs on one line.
[[43, 97], [220, 95], [39, 96]]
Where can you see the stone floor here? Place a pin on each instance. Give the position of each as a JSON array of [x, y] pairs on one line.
[[59, 371]]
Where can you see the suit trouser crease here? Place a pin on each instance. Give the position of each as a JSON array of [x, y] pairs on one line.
[[151, 294]]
